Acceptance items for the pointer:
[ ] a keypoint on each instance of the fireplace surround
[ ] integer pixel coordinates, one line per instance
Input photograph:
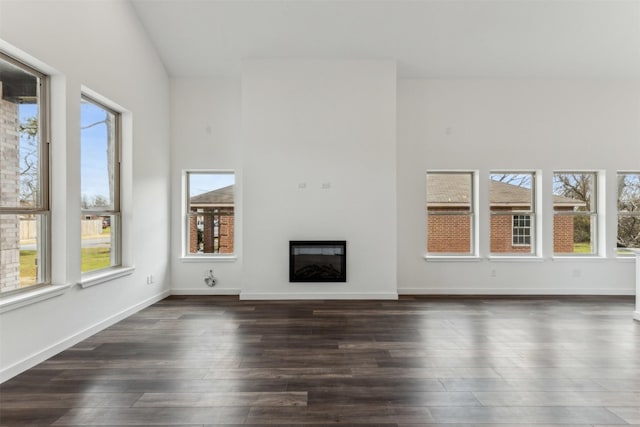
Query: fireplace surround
(317, 261)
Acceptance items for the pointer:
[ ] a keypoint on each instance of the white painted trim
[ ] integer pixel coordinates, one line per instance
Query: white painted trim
(513, 291)
(573, 258)
(54, 349)
(318, 295)
(452, 258)
(12, 302)
(219, 258)
(205, 291)
(102, 276)
(498, 258)
(636, 315)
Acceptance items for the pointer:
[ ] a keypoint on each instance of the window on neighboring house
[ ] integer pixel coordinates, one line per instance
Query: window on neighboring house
(521, 231)
(450, 213)
(575, 213)
(100, 186)
(209, 213)
(628, 235)
(513, 212)
(24, 177)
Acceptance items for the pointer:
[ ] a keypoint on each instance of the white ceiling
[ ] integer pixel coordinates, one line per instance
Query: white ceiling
(435, 39)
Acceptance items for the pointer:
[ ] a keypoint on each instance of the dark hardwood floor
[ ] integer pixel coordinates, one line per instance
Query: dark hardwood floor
(200, 361)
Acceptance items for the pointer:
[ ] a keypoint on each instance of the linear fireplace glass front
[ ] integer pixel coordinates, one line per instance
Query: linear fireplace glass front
(317, 261)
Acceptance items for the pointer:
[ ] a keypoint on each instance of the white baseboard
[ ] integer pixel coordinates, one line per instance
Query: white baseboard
(48, 352)
(317, 295)
(205, 291)
(512, 291)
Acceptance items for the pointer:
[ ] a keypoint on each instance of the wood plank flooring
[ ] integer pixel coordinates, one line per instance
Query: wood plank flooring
(218, 361)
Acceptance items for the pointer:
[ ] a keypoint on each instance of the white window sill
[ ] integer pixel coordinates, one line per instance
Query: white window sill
(452, 258)
(573, 258)
(22, 299)
(210, 258)
(507, 258)
(626, 258)
(102, 276)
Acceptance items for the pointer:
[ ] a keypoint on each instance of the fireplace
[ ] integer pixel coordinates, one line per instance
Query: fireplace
(317, 261)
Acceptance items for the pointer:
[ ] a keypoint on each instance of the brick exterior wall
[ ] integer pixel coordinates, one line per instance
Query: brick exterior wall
(225, 234)
(449, 233)
(563, 234)
(501, 233)
(193, 234)
(9, 180)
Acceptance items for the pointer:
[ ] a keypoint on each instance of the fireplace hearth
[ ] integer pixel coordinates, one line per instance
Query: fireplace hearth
(317, 261)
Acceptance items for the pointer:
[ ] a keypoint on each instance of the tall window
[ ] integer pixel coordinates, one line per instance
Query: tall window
(210, 212)
(100, 185)
(450, 213)
(24, 177)
(575, 213)
(513, 212)
(628, 235)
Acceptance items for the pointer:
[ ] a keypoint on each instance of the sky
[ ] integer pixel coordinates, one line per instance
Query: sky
(94, 172)
(93, 152)
(204, 182)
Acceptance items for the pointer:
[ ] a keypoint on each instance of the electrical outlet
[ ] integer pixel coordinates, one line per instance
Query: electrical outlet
(576, 272)
(149, 279)
(493, 272)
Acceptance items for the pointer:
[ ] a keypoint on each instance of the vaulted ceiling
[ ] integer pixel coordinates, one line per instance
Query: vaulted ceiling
(435, 39)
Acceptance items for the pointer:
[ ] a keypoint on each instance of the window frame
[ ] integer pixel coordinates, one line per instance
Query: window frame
(636, 214)
(186, 215)
(44, 176)
(532, 213)
(472, 214)
(527, 228)
(116, 212)
(593, 213)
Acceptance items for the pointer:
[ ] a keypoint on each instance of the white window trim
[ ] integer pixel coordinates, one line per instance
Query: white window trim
(208, 257)
(632, 254)
(45, 177)
(104, 275)
(535, 215)
(599, 192)
(126, 267)
(475, 220)
(42, 293)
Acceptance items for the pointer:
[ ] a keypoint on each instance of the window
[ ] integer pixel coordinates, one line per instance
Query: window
(575, 213)
(628, 235)
(513, 212)
(100, 186)
(521, 231)
(24, 177)
(210, 213)
(450, 213)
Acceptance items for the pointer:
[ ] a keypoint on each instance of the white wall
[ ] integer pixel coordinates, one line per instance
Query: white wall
(513, 124)
(314, 123)
(205, 134)
(99, 45)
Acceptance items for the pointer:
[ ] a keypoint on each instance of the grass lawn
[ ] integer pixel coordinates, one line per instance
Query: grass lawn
(95, 258)
(92, 259)
(582, 248)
